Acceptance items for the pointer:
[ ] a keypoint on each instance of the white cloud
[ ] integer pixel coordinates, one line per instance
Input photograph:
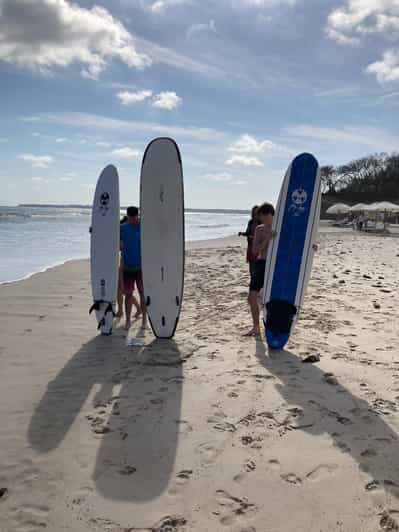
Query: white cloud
(167, 100)
(36, 134)
(371, 137)
(38, 179)
(248, 144)
(357, 19)
(127, 97)
(387, 69)
(222, 177)
(244, 160)
(196, 29)
(126, 153)
(99, 122)
(61, 140)
(66, 179)
(225, 178)
(160, 6)
(37, 161)
(43, 34)
(103, 144)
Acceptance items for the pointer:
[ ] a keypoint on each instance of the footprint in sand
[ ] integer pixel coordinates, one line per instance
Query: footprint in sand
(230, 508)
(180, 481)
(321, 472)
(30, 517)
(249, 467)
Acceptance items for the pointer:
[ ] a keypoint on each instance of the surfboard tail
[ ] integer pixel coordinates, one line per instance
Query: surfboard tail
(280, 316)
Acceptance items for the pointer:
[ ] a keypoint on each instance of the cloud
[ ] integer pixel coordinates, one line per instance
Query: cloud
(167, 100)
(3, 140)
(248, 144)
(358, 19)
(196, 29)
(99, 122)
(126, 153)
(66, 179)
(371, 137)
(37, 161)
(244, 160)
(387, 69)
(103, 144)
(127, 97)
(225, 178)
(220, 178)
(44, 34)
(160, 6)
(61, 140)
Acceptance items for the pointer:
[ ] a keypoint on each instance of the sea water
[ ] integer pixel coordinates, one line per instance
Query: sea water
(35, 238)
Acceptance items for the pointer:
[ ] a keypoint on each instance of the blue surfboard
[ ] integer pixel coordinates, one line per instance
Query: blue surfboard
(290, 254)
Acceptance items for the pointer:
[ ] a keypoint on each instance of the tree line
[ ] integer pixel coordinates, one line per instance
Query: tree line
(368, 179)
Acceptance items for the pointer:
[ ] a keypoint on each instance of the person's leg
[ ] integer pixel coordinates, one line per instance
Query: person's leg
(139, 284)
(119, 313)
(254, 308)
(256, 285)
(128, 283)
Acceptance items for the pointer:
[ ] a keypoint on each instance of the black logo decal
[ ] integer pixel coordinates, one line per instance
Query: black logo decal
(104, 201)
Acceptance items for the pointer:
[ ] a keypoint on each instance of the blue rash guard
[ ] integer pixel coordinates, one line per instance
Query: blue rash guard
(130, 238)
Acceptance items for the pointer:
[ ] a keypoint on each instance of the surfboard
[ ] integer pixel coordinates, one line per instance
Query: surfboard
(104, 248)
(162, 234)
(290, 253)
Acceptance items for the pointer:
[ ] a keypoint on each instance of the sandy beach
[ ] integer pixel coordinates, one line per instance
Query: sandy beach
(209, 432)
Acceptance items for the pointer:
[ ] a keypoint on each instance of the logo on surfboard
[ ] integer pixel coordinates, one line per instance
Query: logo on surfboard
(104, 201)
(299, 197)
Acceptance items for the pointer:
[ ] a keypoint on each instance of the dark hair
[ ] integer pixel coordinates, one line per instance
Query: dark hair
(254, 211)
(132, 212)
(266, 208)
(123, 220)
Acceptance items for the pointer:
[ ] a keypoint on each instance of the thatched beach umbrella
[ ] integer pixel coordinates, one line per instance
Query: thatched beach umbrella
(338, 208)
(360, 207)
(384, 206)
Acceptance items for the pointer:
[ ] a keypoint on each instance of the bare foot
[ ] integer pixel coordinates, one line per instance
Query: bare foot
(119, 314)
(252, 332)
(128, 325)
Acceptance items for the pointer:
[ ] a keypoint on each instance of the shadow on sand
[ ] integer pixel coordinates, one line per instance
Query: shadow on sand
(138, 401)
(353, 425)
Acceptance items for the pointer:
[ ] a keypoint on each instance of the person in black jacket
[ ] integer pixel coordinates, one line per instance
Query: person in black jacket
(249, 234)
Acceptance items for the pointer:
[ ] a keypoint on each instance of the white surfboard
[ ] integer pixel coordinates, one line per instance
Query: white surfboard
(290, 253)
(162, 234)
(104, 248)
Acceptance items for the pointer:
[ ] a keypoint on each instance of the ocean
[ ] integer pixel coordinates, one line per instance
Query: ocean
(35, 238)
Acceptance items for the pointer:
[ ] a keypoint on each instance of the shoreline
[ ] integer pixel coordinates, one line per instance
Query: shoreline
(192, 244)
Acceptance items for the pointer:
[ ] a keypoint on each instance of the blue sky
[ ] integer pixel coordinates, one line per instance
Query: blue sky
(242, 85)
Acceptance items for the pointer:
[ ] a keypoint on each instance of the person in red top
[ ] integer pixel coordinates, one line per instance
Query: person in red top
(262, 237)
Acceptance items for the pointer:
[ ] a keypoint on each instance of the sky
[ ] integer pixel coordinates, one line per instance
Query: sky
(242, 86)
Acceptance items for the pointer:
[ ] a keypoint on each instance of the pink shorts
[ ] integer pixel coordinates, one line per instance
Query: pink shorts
(131, 280)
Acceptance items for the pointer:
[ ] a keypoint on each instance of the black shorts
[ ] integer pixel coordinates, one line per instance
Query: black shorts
(258, 275)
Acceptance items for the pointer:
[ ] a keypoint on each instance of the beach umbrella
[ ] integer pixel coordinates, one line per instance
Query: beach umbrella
(385, 206)
(359, 207)
(338, 208)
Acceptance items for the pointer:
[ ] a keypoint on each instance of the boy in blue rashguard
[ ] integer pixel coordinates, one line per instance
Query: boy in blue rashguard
(131, 263)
